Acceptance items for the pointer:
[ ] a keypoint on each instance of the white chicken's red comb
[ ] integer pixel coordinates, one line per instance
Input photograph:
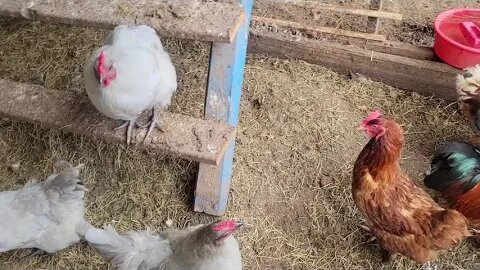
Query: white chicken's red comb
(371, 115)
(228, 224)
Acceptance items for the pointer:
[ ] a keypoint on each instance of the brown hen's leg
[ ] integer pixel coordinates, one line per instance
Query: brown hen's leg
(129, 125)
(389, 256)
(369, 231)
(430, 266)
(154, 121)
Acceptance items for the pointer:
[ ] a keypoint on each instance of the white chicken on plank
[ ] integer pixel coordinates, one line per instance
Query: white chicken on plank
(46, 216)
(200, 247)
(130, 74)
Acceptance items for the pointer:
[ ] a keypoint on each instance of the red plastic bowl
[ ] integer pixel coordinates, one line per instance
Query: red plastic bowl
(457, 37)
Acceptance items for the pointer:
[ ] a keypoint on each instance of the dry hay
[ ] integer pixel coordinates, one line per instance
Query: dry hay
(296, 145)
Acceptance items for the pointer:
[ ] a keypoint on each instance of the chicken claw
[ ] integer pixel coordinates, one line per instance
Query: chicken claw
(154, 122)
(129, 125)
(474, 232)
(430, 266)
(36, 252)
(368, 230)
(389, 256)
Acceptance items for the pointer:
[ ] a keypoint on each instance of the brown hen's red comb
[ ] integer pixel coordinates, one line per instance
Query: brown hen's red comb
(371, 115)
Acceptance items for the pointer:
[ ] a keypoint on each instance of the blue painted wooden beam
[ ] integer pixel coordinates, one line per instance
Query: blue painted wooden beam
(225, 79)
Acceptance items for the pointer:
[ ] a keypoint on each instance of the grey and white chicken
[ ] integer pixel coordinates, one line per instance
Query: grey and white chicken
(468, 91)
(44, 216)
(130, 74)
(201, 247)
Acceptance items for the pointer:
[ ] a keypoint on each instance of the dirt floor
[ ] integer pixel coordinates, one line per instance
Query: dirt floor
(296, 145)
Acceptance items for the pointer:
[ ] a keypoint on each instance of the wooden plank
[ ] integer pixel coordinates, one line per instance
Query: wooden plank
(395, 48)
(334, 8)
(187, 137)
(373, 23)
(318, 29)
(425, 77)
(208, 21)
(225, 79)
(390, 47)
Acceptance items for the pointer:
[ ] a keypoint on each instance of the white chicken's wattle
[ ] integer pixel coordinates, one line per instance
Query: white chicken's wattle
(130, 74)
(46, 216)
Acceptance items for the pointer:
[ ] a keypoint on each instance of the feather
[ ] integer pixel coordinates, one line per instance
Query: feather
(135, 250)
(456, 164)
(401, 215)
(44, 215)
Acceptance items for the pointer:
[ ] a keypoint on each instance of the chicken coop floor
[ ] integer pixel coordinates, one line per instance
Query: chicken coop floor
(296, 145)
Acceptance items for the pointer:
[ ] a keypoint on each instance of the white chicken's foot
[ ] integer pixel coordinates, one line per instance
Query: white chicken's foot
(154, 122)
(36, 252)
(129, 125)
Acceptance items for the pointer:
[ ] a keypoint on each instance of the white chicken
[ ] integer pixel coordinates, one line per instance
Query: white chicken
(130, 74)
(201, 247)
(46, 216)
(468, 91)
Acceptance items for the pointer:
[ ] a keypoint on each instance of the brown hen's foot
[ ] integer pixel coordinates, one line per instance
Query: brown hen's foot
(129, 125)
(430, 266)
(474, 232)
(369, 231)
(389, 256)
(154, 122)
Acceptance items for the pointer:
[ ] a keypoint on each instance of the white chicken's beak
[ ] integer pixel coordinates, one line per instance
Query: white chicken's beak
(102, 79)
(239, 224)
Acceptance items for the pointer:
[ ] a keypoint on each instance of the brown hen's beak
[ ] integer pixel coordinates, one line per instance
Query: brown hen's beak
(361, 128)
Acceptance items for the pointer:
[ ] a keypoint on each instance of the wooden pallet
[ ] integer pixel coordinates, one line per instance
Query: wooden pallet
(401, 65)
(210, 21)
(187, 137)
(210, 141)
(372, 28)
(406, 72)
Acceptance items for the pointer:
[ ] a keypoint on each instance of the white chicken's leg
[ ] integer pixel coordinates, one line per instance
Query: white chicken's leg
(129, 125)
(154, 121)
(36, 252)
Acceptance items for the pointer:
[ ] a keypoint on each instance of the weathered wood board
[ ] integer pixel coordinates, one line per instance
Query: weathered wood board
(425, 77)
(184, 136)
(205, 21)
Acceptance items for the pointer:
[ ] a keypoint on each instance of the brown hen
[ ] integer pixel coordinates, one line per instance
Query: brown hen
(401, 215)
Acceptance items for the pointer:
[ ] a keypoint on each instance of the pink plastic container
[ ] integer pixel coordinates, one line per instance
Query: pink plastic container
(457, 37)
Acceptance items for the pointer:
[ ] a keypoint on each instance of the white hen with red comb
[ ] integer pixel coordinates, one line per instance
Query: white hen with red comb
(130, 74)
(201, 247)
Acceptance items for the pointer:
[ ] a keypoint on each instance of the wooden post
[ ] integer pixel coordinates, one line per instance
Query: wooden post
(225, 79)
(373, 23)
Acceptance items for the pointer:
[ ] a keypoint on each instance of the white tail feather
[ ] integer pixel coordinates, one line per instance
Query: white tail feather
(129, 251)
(114, 247)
